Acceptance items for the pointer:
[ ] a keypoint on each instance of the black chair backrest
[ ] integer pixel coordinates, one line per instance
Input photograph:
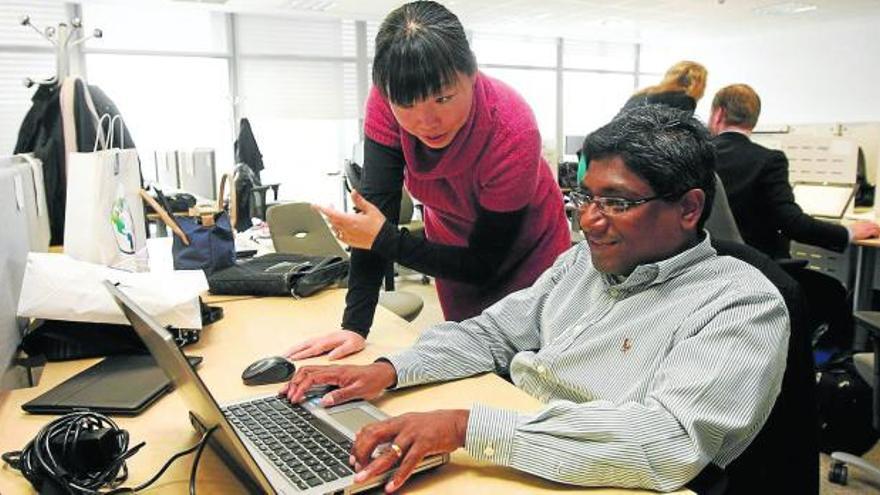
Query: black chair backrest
(784, 457)
(721, 224)
(353, 173)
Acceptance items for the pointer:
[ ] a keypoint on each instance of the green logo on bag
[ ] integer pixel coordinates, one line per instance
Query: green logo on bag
(123, 224)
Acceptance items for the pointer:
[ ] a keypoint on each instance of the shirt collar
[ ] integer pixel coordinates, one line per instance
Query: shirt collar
(663, 270)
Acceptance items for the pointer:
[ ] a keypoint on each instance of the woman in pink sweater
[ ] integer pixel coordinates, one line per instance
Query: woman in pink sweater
(468, 148)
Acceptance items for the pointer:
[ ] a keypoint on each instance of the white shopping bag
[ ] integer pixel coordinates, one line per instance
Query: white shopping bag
(59, 287)
(104, 219)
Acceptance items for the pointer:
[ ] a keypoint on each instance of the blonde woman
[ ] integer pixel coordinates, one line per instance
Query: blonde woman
(681, 87)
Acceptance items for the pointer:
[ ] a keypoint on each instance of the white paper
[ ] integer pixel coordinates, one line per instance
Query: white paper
(161, 258)
(60, 288)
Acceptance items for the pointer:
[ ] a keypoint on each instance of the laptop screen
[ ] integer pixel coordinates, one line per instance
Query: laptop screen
(823, 200)
(193, 390)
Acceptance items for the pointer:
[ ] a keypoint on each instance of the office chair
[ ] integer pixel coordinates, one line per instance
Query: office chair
(721, 223)
(868, 366)
(784, 456)
(406, 221)
(353, 175)
(252, 196)
(298, 228)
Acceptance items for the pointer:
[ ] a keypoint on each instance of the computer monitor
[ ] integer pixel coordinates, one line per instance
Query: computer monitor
(14, 245)
(197, 173)
(166, 169)
(573, 144)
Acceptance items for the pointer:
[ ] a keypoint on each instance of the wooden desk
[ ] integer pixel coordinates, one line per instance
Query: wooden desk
(254, 328)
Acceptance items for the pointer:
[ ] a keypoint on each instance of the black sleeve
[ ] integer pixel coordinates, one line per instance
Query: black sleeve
(791, 219)
(381, 185)
(477, 264)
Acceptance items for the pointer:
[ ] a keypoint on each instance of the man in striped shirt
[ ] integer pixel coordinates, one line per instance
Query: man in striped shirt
(655, 356)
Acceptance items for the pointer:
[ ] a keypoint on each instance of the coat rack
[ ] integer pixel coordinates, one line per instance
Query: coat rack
(62, 38)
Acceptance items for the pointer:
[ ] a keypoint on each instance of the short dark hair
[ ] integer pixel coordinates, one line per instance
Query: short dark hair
(741, 104)
(668, 148)
(420, 49)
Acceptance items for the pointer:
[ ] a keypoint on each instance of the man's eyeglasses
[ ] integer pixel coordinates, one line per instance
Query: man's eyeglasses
(609, 205)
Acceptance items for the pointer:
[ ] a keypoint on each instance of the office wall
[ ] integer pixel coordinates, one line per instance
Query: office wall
(828, 73)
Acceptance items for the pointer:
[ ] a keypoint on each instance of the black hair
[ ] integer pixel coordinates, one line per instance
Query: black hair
(668, 148)
(420, 49)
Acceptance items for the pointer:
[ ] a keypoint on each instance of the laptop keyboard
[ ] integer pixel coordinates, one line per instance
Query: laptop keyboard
(307, 450)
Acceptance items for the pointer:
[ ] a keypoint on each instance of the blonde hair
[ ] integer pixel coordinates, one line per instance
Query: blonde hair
(686, 76)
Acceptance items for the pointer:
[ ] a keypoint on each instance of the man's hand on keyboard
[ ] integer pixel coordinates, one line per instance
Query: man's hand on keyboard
(409, 439)
(354, 382)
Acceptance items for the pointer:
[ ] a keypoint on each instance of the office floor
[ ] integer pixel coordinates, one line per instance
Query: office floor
(857, 484)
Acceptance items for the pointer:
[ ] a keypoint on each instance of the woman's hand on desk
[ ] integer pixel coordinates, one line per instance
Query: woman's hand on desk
(354, 382)
(410, 438)
(360, 229)
(338, 344)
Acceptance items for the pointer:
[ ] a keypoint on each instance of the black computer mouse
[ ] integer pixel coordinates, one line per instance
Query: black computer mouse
(275, 369)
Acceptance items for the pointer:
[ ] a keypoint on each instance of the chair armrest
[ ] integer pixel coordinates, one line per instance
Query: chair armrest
(274, 191)
(262, 189)
(792, 265)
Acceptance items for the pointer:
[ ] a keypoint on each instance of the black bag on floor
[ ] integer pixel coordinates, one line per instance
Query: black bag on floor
(279, 275)
(845, 408)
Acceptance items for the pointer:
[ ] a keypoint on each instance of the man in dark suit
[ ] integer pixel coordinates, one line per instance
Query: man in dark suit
(762, 201)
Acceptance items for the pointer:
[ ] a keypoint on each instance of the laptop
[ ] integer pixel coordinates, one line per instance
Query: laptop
(274, 446)
(824, 200)
(120, 385)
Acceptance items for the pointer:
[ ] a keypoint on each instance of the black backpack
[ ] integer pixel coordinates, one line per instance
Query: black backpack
(845, 408)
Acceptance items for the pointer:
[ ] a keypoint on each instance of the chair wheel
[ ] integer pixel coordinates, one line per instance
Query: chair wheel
(837, 474)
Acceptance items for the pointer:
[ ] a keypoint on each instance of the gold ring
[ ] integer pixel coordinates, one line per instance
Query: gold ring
(397, 450)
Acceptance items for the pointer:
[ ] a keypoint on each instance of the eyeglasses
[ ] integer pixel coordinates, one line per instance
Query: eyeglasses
(609, 205)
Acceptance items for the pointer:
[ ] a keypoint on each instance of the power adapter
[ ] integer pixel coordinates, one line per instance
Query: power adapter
(85, 452)
(90, 450)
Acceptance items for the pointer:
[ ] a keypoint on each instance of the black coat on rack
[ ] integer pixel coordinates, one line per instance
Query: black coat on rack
(42, 135)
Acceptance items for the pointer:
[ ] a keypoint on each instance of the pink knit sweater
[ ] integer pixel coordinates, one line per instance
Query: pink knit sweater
(495, 162)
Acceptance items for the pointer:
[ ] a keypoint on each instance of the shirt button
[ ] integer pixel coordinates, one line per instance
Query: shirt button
(489, 451)
(541, 369)
(613, 292)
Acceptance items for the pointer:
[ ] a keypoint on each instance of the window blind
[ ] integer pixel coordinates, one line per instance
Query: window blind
(23, 53)
(177, 28)
(263, 35)
(42, 13)
(15, 98)
(514, 50)
(598, 55)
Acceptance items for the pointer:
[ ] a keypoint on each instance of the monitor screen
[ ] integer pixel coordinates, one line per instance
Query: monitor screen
(573, 144)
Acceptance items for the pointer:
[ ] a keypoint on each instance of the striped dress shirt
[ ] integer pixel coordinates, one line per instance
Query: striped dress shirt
(646, 380)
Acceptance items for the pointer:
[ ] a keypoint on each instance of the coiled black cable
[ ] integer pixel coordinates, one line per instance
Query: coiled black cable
(45, 457)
